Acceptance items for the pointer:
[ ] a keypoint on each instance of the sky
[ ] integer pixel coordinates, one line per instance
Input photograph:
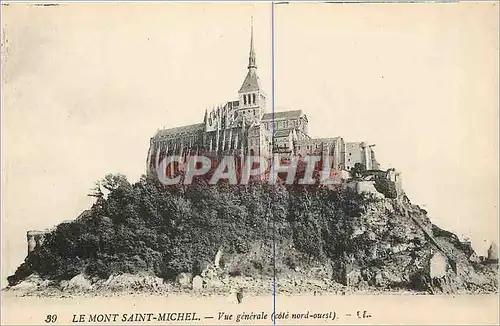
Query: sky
(85, 86)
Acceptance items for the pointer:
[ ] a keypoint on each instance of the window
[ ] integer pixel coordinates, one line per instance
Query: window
(253, 98)
(244, 99)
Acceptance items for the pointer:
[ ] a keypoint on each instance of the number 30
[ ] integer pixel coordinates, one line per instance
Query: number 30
(51, 319)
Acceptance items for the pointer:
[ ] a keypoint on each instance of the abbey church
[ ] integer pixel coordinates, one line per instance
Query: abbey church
(247, 126)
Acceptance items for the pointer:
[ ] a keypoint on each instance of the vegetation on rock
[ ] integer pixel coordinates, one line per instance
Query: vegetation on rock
(167, 230)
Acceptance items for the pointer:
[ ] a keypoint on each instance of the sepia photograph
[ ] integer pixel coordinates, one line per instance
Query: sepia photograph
(249, 163)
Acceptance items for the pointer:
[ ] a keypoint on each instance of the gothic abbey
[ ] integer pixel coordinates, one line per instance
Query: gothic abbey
(246, 127)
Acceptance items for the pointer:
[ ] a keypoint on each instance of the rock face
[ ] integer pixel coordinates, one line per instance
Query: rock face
(368, 187)
(437, 265)
(392, 246)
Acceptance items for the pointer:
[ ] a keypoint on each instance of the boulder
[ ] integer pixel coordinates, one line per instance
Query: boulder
(197, 283)
(184, 279)
(78, 283)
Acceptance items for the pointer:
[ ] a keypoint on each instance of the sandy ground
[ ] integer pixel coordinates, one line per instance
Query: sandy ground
(322, 309)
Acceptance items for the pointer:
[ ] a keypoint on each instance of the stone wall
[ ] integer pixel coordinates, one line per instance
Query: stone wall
(396, 178)
(35, 239)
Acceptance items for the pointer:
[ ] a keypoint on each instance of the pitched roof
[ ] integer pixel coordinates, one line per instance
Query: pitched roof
(283, 132)
(317, 140)
(282, 115)
(251, 82)
(183, 129)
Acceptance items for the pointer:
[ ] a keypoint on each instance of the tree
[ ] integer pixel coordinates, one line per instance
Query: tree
(357, 170)
(96, 191)
(112, 182)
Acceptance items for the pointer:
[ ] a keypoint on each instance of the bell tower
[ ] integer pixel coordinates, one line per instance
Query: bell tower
(252, 99)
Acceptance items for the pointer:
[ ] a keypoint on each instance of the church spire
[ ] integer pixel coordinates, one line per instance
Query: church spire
(251, 82)
(251, 59)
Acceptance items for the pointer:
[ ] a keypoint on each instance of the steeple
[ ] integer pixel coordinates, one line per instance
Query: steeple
(252, 99)
(251, 82)
(251, 59)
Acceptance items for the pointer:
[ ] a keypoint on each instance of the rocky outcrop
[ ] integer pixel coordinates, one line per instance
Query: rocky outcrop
(366, 237)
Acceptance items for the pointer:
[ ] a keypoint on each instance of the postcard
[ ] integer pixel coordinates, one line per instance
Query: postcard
(226, 163)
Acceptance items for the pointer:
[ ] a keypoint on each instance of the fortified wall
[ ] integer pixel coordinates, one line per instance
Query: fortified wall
(35, 239)
(379, 183)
